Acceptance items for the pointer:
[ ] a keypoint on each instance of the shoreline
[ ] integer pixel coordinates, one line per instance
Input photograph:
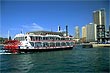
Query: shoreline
(94, 45)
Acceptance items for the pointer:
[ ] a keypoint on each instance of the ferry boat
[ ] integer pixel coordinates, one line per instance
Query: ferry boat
(39, 41)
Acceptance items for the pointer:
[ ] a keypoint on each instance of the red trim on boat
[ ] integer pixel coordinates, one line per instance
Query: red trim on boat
(12, 45)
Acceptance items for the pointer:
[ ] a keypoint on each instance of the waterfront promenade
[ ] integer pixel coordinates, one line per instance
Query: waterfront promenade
(101, 45)
(94, 45)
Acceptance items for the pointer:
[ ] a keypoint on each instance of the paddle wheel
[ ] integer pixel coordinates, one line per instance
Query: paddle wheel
(12, 46)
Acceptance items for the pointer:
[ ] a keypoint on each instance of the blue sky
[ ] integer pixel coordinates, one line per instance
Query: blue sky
(34, 15)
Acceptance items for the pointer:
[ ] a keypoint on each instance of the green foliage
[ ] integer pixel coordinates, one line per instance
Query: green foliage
(2, 40)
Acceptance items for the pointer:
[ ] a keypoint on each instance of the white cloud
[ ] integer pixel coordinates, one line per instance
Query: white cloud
(32, 27)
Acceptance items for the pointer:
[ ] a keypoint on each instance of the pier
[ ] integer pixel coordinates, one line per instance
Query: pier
(100, 45)
(94, 45)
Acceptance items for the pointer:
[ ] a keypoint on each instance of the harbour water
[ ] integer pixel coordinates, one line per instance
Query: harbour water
(77, 60)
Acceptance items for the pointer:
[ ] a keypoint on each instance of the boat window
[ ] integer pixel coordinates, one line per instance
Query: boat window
(72, 43)
(37, 38)
(20, 38)
(57, 43)
(68, 44)
(52, 44)
(45, 44)
(63, 44)
(58, 38)
(33, 38)
(32, 43)
(38, 44)
(44, 38)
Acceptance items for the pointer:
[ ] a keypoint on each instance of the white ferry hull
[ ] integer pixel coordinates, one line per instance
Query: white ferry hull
(43, 50)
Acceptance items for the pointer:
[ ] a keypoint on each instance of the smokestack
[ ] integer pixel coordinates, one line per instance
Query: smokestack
(66, 30)
(59, 28)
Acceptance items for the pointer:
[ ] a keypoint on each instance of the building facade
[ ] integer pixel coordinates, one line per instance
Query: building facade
(77, 33)
(84, 35)
(99, 18)
(91, 32)
(83, 31)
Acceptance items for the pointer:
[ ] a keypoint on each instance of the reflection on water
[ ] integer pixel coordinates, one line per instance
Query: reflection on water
(76, 60)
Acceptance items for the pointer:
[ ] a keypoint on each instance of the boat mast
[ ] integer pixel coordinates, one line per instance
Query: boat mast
(8, 34)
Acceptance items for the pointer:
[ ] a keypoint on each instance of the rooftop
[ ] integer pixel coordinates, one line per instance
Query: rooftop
(46, 32)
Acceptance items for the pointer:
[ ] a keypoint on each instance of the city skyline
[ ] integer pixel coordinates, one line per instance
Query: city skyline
(95, 31)
(47, 15)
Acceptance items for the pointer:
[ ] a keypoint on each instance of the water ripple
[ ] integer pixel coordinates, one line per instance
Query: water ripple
(76, 60)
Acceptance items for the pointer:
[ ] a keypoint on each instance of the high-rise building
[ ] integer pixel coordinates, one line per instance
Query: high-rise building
(84, 34)
(77, 34)
(91, 34)
(83, 31)
(99, 18)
